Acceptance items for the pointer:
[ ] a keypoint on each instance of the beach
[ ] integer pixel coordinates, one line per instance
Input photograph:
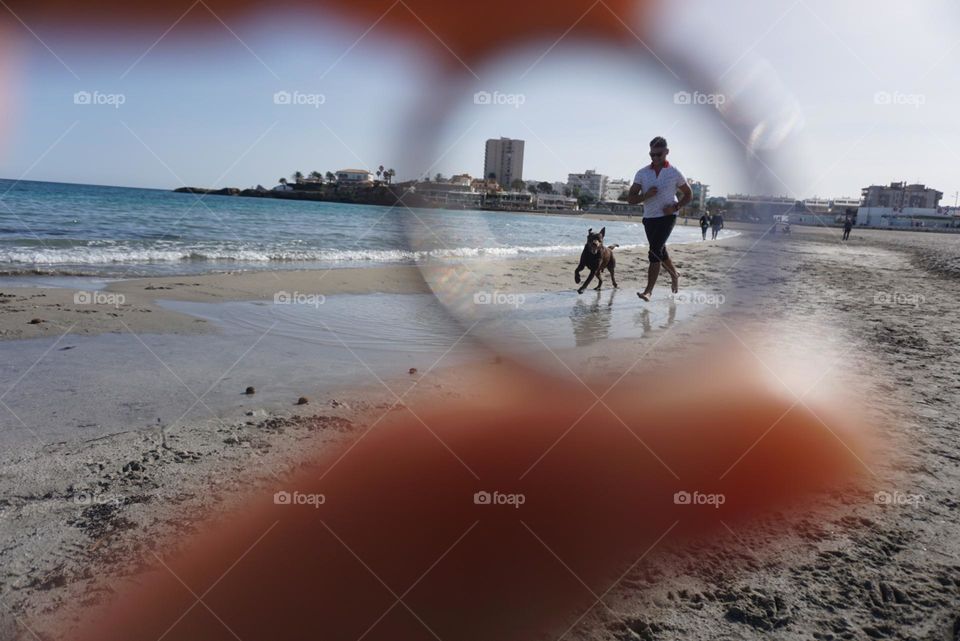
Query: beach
(84, 510)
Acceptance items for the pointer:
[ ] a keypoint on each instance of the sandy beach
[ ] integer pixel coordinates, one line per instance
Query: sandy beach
(80, 518)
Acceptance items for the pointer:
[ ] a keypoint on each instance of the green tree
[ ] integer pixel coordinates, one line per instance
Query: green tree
(438, 178)
(544, 187)
(298, 176)
(585, 200)
(331, 176)
(379, 172)
(316, 176)
(517, 184)
(533, 189)
(389, 174)
(283, 181)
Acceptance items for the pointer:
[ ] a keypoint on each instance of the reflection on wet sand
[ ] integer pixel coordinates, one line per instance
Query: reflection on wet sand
(592, 321)
(642, 318)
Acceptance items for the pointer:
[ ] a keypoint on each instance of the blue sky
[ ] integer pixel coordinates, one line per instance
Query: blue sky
(846, 94)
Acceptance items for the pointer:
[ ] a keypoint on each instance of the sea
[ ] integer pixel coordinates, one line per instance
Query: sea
(116, 232)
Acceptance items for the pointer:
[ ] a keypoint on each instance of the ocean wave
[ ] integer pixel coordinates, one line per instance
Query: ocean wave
(118, 255)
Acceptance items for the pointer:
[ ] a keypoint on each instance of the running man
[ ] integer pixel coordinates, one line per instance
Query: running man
(656, 186)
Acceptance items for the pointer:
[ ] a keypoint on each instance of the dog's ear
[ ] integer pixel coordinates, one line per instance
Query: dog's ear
(603, 232)
(589, 231)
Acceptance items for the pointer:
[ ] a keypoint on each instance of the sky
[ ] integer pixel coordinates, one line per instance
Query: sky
(801, 97)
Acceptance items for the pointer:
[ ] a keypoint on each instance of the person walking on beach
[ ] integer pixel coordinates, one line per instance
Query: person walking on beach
(656, 186)
(717, 224)
(704, 223)
(847, 226)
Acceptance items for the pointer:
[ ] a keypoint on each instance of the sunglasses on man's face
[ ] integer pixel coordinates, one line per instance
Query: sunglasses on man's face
(658, 154)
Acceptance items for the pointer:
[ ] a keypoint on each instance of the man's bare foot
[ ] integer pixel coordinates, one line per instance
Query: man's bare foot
(675, 282)
(645, 296)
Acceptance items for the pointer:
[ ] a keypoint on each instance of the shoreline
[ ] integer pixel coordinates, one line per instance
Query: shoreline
(832, 567)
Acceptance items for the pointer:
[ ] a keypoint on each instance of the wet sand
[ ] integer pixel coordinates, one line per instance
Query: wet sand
(851, 565)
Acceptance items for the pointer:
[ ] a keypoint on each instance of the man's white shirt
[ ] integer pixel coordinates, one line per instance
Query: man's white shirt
(667, 184)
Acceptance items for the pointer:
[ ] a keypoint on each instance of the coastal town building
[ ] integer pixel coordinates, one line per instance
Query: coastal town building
(909, 217)
(354, 176)
(556, 202)
(615, 188)
(900, 195)
(700, 193)
(589, 183)
(509, 200)
(503, 161)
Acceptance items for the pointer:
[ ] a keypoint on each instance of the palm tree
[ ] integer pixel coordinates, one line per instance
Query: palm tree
(438, 178)
(298, 176)
(390, 173)
(379, 172)
(283, 181)
(316, 176)
(517, 184)
(331, 176)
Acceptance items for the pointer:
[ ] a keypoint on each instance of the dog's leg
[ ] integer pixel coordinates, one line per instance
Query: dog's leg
(613, 279)
(599, 279)
(586, 282)
(576, 274)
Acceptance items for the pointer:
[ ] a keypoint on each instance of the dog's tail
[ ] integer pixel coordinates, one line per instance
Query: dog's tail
(612, 247)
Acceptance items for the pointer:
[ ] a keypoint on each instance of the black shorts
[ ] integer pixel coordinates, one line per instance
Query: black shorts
(658, 231)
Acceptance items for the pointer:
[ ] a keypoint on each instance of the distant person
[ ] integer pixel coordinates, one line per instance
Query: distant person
(716, 223)
(847, 226)
(656, 186)
(704, 223)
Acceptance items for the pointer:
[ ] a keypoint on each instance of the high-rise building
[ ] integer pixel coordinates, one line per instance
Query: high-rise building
(699, 194)
(503, 161)
(589, 183)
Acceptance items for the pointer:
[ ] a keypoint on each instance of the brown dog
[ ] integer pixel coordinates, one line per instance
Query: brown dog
(596, 257)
